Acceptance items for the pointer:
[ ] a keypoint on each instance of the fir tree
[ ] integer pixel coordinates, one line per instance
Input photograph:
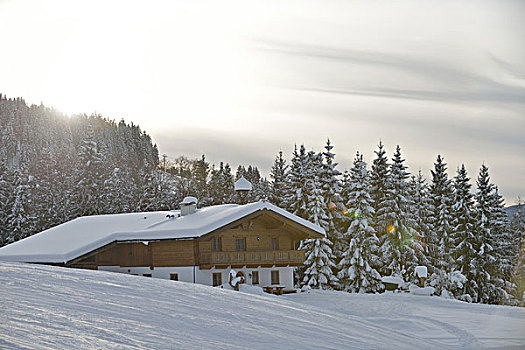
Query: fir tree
(20, 218)
(517, 228)
(398, 255)
(298, 175)
(331, 188)
(489, 288)
(419, 192)
(356, 268)
(467, 243)
(278, 182)
(380, 190)
(440, 240)
(200, 181)
(6, 205)
(91, 177)
(318, 265)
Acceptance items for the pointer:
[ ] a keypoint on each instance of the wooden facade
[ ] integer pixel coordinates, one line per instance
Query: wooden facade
(265, 240)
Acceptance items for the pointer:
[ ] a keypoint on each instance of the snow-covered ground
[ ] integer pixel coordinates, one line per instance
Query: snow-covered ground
(59, 308)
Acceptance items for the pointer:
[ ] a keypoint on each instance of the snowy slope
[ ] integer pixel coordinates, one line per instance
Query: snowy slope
(59, 308)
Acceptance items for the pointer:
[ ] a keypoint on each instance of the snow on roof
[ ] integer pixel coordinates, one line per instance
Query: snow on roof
(77, 237)
(189, 200)
(421, 271)
(243, 185)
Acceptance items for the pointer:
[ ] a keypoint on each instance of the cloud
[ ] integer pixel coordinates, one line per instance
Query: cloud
(449, 82)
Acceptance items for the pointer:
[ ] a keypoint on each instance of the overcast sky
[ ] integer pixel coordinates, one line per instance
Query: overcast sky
(239, 81)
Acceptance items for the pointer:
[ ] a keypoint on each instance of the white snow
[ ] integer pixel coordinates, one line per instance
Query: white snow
(393, 279)
(421, 271)
(243, 185)
(189, 200)
(421, 290)
(74, 238)
(45, 307)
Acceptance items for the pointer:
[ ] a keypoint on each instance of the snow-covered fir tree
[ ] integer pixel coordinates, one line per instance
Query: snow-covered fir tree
(331, 188)
(489, 288)
(221, 185)
(319, 264)
(201, 170)
(6, 205)
(517, 228)
(298, 176)
(380, 190)
(278, 182)
(440, 242)
(419, 192)
(356, 267)
(502, 241)
(20, 218)
(91, 176)
(467, 243)
(398, 255)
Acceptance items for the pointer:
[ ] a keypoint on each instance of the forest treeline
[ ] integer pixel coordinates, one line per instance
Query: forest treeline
(380, 219)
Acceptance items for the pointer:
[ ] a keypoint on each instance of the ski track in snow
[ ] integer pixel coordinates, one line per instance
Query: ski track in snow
(44, 307)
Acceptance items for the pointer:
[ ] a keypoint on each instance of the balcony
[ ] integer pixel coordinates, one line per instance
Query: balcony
(275, 257)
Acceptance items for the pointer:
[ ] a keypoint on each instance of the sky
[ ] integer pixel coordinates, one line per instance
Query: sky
(241, 80)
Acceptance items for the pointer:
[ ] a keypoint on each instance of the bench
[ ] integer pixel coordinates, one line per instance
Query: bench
(276, 289)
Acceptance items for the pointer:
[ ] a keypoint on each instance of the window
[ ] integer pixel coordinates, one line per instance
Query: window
(275, 277)
(217, 279)
(216, 245)
(275, 244)
(174, 276)
(255, 277)
(240, 244)
(146, 274)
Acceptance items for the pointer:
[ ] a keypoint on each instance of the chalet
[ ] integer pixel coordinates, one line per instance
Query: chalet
(259, 240)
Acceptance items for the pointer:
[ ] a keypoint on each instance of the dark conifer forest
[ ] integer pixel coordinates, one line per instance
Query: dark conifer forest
(380, 219)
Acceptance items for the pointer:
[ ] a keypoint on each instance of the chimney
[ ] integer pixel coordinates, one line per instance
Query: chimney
(188, 206)
(242, 187)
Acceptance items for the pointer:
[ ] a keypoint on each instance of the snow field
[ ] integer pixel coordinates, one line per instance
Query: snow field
(44, 307)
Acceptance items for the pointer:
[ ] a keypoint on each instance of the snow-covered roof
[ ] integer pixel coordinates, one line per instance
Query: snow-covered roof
(243, 185)
(77, 237)
(189, 200)
(421, 271)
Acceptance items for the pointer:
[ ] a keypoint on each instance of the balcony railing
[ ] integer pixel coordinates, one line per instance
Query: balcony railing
(290, 257)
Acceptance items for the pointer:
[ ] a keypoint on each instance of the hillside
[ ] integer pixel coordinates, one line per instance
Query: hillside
(511, 211)
(47, 307)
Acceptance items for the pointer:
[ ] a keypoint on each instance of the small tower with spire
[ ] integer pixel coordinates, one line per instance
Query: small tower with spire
(242, 187)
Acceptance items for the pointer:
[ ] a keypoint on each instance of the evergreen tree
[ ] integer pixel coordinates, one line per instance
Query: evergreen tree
(356, 268)
(319, 264)
(380, 191)
(20, 218)
(279, 181)
(503, 243)
(419, 192)
(331, 188)
(200, 176)
(517, 228)
(221, 185)
(6, 205)
(298, 175)
(467, 242)
(91, 176)
(489, 288)
(440, 240)
(398, 255)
